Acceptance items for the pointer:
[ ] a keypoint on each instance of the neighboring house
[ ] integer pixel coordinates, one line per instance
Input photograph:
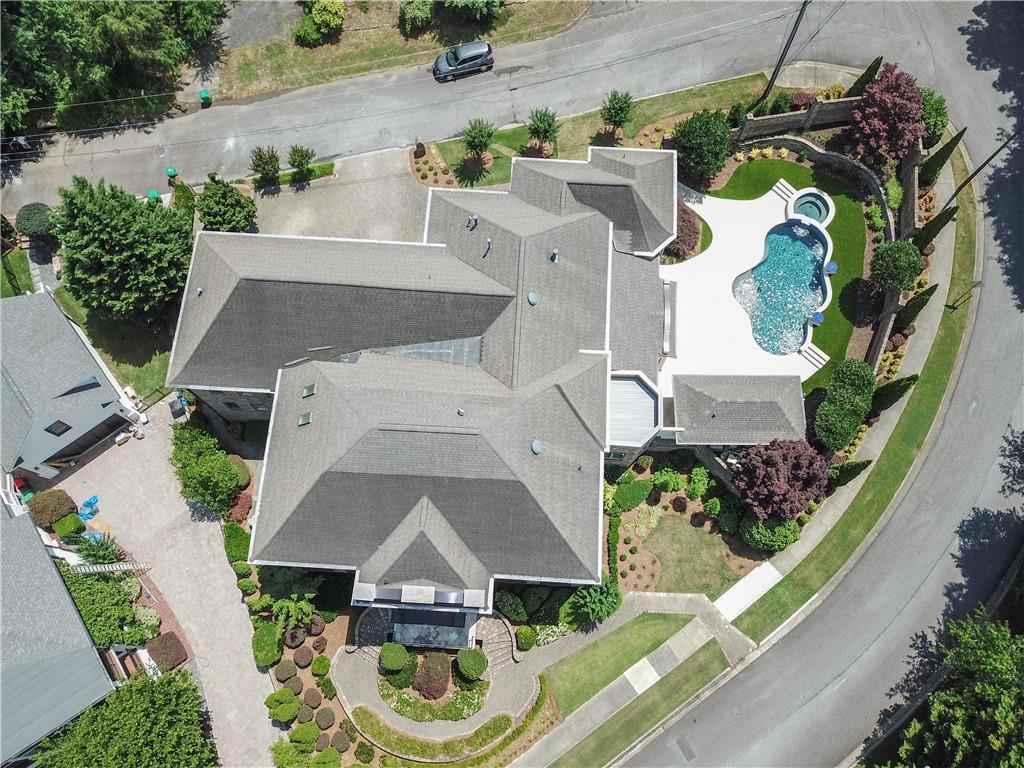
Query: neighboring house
(49, 667)
(58, 398)
(441, 412)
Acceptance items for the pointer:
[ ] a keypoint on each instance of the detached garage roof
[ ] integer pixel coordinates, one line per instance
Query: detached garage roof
(51, 671)
(738, 410)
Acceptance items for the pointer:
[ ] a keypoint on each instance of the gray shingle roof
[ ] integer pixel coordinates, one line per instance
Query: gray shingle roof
(387, 454)
(738, 410)
(46, 370)
(267, 301)
(51, 671)
(637, 315)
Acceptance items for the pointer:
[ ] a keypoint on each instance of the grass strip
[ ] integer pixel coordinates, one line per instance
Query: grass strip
(576, 678)
(400, 743)
(891, 467)
(15, 277)
(648, 709)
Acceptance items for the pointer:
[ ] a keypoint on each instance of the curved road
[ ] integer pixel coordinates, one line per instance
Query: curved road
(813, 697)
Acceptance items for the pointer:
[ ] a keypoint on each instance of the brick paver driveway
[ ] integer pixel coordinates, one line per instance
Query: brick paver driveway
(140, 503)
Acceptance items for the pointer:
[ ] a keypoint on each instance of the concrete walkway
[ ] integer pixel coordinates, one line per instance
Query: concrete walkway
(141, 505)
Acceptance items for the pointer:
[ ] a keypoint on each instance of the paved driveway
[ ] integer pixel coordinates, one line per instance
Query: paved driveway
(374, 198)
(140, 503)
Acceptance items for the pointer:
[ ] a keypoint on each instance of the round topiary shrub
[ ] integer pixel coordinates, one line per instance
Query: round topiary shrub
(321, 666)
(770, 535)
(320, 644)
(294, 637)
(526, 637)
(393, 657)
(49, 506)
(305, 714)
(285, 671)
(247, 586)
(294, 684)
(323, 742)
(324, 718)
(303, 657)
(266, 643)
(472, 663)
(364, 753)
(340, 740)
(312, 698)
(242, 569)
(404, 678)
(303, 737)
(33, 220)
(316, 626)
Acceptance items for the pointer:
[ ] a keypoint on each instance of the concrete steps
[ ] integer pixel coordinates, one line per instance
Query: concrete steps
(497, 643)
(784, 189)
(814, 356)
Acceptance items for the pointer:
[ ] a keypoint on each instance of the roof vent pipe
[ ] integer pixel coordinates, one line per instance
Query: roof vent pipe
(461, 412)
(488, 250)
(199, 291)
(554, 256)
(473, 221)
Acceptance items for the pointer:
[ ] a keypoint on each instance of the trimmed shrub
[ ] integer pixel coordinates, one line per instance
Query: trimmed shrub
(167, 651)
(49, 506)
(712, 507)
(737, 115)
(321, 666)
(688, 229)
(282, 705)
(542, 125)
(304, 737)
(350, 729)
(307, 33)
(934, 115)
(285, 670)
(340, 740)
(242, 569)
(264, 161)
(703, 143)
(244, 478)
(668, 480)
(846, 404)
(317, 625)
(236, 542)
(875, 217)
(534, 597)
(801, 99)
(294, 684)
(595, 603)
(326, 686)
(771, 535)
(324, 718)
(617, 109)
(312, 698)
(404, 677)
(476, 137)
(68, 525)
(328, 15)
(211, 480)
(299, 158)
(294, 637)
(472, 662)
(700, 480)
(414, 15)
(184, 199)
(893, 189)
(305, 714)
(266, 645)
(247, 586)
(643, 462)
(782, 102)
(526, 637)
(627, 476)
(630, 495)
(303, 657)
(329, 757)
(33, 220)
(433, 676)
(323, 741)
(393, 656)
(364, 753)
(259, 603)
(320, 644)
(729, 518)
(510, 605)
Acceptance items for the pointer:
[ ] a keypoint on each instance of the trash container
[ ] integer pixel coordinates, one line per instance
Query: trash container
(171, 172)
(89, 508)
(205, 99)
(153, 195)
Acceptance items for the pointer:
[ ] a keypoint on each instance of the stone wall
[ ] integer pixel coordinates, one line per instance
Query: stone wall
(909, 170)
(820, 114)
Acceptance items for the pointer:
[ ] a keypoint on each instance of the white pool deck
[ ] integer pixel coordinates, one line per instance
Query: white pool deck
(713, 332)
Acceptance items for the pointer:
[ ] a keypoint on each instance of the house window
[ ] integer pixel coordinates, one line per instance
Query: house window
(615, 456)
(232, 405)
(58, 428)
(309, 390)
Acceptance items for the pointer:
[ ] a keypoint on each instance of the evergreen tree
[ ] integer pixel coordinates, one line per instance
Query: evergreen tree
(222, 208)
(895, 266)
(617, 109)
(703, 143)
(930, 168)
(928, 232)
(867, 76)
(477, 136)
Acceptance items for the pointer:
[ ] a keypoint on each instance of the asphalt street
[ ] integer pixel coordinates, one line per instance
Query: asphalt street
(812, 698)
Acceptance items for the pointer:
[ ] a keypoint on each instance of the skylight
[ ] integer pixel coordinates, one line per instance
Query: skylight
(309, 390)
(305, 418)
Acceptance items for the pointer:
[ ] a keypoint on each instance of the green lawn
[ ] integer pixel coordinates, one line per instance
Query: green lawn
(576, 678)
(504, 145)
(892, 466)
(706, 235)
(135, 355)
(692, 560)
(648, 709)
(849, 236)
(15, 265)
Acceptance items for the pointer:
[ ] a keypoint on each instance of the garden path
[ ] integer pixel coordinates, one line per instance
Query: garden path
(140, 504)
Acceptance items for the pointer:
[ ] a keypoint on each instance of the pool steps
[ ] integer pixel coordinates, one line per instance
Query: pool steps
(814, 356)
(784, 189)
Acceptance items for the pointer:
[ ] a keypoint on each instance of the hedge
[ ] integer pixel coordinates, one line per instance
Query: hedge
(846, 404)
(630, 495)
(68, 525)
(771, 535)
(167, 651)
(49, 506)
(247, 586)
(472, 662)
(244, 478)
(393, 657)
(267, 645)
(510, 605)
(236, 542)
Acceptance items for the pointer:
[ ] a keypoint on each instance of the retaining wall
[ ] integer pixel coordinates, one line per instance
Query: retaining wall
(909, 180)
(821, 113)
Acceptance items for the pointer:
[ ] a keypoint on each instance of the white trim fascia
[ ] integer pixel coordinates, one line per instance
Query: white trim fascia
(208, 388)
(320, 238)
(607, 418)
(263, 471)
(426, 216)
(312, 566)
(181, 309)
(549, 579)
(600, 517)
(439, 607)
(475, 191)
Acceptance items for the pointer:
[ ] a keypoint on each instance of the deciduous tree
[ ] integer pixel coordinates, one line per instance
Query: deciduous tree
(781, 479)
(477, 136)
(222, 208)
(895, 266)
(703, 144)
(617, 108)
(887, 122)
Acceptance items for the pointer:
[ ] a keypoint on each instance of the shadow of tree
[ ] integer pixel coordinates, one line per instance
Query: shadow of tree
(994, 44)
(126, 342)
(471, 170)
(1011, 464)
(198, 513)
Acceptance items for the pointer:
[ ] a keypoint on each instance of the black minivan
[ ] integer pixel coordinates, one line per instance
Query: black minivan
(464, 59)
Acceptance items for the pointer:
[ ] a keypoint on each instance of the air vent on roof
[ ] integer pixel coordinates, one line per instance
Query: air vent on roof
(488, 249)
(535, 446)
(199, 291)
(309, 390)
(533, 298)
(305, 418)
(460, 412)
(554, 256)
(473, 221)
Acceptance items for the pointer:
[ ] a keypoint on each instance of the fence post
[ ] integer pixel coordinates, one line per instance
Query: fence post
(812, 113)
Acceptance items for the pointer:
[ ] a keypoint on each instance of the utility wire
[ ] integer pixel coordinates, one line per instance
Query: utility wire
(782, 56)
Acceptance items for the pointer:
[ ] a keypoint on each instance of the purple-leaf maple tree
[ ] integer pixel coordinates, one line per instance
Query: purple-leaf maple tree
(887, 122)
(781, 478)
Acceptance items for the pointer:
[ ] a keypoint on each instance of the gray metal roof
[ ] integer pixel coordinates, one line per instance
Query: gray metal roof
(46, 370)
(388, 455)
(738, 410)
(635, 411)
(51, 671)
(256, 303)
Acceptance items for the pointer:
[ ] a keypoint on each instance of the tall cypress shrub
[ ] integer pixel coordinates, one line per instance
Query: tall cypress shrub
(928, 232)
(933, 164)
(866, 77)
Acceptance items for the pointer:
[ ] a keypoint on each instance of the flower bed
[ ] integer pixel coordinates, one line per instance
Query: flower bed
(422, 749)
(459, 705)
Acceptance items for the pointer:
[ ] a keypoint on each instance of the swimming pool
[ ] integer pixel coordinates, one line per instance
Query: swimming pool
(788, 286)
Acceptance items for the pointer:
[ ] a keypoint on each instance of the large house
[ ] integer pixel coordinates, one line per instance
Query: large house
(441, 412)
(58, 398)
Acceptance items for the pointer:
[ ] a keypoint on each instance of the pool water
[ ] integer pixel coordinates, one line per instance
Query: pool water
(812, 206)
(785, 289)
